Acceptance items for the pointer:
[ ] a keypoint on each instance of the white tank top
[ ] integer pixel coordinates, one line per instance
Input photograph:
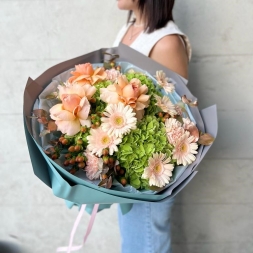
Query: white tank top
(146, 41)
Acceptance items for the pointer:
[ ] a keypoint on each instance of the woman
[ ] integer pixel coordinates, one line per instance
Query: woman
(146, 228)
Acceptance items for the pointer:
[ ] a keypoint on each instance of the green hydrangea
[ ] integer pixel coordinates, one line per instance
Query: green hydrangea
(99, 105)
(139, 145)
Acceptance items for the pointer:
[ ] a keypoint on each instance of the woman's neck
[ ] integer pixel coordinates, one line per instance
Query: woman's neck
(139, 20)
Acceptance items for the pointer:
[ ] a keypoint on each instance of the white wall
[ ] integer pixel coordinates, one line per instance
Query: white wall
(214, 214)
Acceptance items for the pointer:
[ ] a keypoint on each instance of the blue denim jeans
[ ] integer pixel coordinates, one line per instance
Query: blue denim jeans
(146, 228)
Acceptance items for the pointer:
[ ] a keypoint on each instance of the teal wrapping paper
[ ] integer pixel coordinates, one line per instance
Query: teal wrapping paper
(70, 188)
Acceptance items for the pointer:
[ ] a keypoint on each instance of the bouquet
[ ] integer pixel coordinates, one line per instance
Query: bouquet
(123, 131)
(118, 126)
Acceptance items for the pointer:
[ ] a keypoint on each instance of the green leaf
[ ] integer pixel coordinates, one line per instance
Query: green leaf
(136, 183)
(149, 148)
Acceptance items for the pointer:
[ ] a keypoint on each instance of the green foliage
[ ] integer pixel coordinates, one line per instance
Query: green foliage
(139, 145)
(99, 105)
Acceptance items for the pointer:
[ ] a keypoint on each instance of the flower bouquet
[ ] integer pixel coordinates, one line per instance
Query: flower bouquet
(115, 133)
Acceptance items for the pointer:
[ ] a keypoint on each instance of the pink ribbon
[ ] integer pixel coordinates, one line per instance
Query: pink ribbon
(71, 248)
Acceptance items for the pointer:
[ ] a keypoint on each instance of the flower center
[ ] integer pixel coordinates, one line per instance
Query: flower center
(105, 140)
(158, 169)
(184, 148)
(118, 121)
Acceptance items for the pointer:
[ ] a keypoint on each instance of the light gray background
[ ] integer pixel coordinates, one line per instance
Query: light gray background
(214, 213)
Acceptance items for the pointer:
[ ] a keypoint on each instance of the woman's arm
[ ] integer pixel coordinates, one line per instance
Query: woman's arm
(170, 52)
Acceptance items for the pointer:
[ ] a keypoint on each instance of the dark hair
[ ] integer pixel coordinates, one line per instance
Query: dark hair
(157, 13)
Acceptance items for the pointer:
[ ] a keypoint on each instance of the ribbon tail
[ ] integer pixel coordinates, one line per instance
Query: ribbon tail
(71, 248)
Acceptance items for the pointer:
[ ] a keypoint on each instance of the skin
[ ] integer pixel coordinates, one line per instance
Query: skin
(168, 51)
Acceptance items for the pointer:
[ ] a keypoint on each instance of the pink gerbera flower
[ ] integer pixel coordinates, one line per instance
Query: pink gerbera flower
(94, 166)
(185, 149)
(159, 170)
(119, 119)
(99, 140)
(166, 105)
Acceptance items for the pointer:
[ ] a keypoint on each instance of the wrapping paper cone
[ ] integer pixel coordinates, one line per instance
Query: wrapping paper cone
(67, 186)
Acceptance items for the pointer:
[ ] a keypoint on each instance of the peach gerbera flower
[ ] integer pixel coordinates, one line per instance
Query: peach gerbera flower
(94, 166)
(131, 93)
(166, 105)
(185, 149)
(119, 119)
(163, 81)
(159, 170)
(74, 109)
(99, 140)
(85, 74)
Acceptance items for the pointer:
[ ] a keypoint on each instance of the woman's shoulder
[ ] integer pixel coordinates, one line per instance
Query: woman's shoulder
(170, 50)
(171, 39)
(170, 42)
(168, 33)
(169, 28)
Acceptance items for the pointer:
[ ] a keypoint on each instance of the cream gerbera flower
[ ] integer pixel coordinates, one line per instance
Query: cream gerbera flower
(99, 140)
(163, 81)
(185, 149)
(119, 119)
(159, 170)
(166, 105)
